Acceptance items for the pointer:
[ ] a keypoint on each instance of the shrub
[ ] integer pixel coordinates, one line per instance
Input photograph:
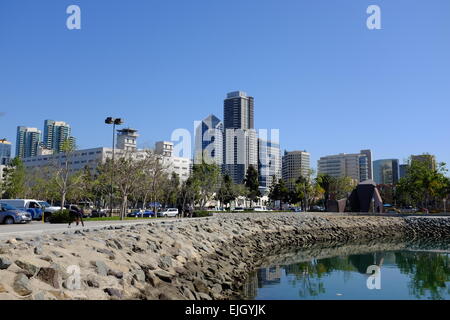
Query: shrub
(202, 213)
(62, 216)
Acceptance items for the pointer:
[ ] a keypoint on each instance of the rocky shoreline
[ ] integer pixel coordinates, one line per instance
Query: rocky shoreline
(184, 259)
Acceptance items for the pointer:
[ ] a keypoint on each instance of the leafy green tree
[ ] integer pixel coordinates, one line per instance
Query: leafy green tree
(171, 188)
(206, 178)
(252, 184)
(304, 190)
(279, 192)
(227, 191)
(14, 180)
(324, 181)
(423, 185)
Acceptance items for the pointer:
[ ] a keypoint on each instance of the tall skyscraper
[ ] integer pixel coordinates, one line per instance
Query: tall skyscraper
(355, 166)
(429, 159)
(368, 154)
(5, 152)
(209, 141)
(241, 145)
(403, 170)
(241, 151)
(27, 142)
(238, 111)
(269, 164)
(294, 165)
(386, 171)
(55, 134)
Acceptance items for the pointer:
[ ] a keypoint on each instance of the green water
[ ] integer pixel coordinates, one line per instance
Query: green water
(404, 274)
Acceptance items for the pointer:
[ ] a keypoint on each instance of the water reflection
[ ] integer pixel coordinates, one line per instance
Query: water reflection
(406, 274)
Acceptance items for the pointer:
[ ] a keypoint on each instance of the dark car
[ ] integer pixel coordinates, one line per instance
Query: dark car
(11, 215)
(98, 213)
(140, 214)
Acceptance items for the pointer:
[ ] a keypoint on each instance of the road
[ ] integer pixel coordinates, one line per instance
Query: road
(36, 228)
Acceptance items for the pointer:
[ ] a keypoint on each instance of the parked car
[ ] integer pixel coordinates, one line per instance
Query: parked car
(317, 209)
(388, 208)
(238, 209)
(260, 208)
(296, 209)
(29, 205)
(48, 209)
(98, 213)
(171, 212)
(141, 214)
(11, 215)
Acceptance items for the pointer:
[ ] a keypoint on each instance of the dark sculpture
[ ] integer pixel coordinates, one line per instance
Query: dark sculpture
(361, 197)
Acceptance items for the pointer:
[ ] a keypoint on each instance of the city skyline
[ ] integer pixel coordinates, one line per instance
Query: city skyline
(317, 74)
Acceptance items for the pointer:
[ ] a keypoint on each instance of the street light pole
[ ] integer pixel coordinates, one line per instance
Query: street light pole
(114, 122)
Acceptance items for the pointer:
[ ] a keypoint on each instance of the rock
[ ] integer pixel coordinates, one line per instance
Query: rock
(164, 275)
(112, 292)
(200, 286)
(50, 276)
(139, 275)
(46, 258)
(101, 267)
(203, 296)
(117, 274)
(22, 285)
(152, 279)
(29, 268)
(2, 288)
(4, 263)
(39, 296)
(11, 241)
(38, 250)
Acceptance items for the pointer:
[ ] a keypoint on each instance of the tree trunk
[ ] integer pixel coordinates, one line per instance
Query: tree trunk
(124, 206)
(63, 200)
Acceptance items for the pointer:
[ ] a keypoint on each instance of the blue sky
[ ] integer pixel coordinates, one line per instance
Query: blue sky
(317, 73)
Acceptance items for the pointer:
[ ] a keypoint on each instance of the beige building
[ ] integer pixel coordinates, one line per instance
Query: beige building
(294, 165)
(357, 166)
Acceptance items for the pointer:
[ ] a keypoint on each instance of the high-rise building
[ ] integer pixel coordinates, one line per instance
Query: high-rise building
(368, 154)
(238, 111)
(294, 165)
(56, 133)
(403, 170)
(27, 142)
(240, 144)
(5, 152)
(127, 139)
(429, 159)
(241, 151)
(355, 166)
(269, 164)
(386, 171)
(209, 141)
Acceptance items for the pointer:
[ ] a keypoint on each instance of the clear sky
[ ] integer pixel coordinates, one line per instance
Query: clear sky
(317, 73)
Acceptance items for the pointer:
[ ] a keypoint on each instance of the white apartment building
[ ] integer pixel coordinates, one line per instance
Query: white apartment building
(294, 165)
(355, 166)
(241, 151)
(80, 159)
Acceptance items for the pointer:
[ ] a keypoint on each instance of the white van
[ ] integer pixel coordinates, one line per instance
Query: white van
(260, 208)
(30, 205)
